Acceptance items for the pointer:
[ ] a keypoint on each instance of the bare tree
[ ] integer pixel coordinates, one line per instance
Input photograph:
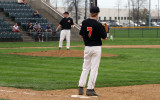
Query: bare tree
(73, 7)
(54, 2)
(118, 5)
(137, 5)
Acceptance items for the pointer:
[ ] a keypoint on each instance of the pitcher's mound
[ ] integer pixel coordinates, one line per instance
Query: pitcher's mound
(60, 53)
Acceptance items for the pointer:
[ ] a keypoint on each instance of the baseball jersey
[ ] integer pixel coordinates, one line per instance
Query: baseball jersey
(15, 27)
(92, 32)
(37, 26)
(47, 27)
(66, 23)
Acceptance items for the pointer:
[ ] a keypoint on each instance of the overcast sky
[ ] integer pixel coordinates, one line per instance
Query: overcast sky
(112, 3)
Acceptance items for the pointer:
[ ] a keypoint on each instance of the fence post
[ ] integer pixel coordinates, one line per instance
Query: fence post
(46, 36)
(142, 33)
(114, 32)
(157, 32)
(128, 33)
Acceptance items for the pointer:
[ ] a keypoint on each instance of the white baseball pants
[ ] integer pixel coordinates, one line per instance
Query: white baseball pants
(92, 57)
(65, 34)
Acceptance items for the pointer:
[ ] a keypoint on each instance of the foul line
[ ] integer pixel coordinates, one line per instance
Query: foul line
(27, 93)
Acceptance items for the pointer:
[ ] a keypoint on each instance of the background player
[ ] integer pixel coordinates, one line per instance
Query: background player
(111, 37)
(108, 31)
(66, 23)
(92, 31)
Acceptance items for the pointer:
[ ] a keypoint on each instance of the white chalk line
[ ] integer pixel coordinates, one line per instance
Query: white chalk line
(27, 93)
(7, 91)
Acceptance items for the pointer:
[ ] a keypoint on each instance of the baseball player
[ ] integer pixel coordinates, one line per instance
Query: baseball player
(91, 31)
(66, 23)
(107, 28)
(108, 31)
(111, 37)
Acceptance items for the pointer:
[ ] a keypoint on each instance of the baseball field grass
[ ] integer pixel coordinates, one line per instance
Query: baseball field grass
(131, 67)
(117, 41)
(4, 99)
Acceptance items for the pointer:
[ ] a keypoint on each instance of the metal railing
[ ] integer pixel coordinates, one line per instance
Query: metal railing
(57, 12)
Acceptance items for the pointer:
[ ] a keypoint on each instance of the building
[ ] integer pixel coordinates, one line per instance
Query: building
(112, 14)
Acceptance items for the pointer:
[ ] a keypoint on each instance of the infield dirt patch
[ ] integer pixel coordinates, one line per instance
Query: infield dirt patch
(140, 92)
(60, 53)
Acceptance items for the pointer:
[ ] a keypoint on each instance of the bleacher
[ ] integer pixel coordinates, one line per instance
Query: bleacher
(6, 33)
(23, 14)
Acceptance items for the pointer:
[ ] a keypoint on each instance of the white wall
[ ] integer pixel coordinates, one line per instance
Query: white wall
(112, 12)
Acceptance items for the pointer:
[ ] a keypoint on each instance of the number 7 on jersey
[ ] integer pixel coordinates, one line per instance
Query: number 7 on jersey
(90, 31)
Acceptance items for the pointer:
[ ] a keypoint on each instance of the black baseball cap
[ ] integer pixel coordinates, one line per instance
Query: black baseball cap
(66, 13)
(94, 10)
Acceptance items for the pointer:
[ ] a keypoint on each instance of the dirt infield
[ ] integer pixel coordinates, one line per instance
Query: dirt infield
(140, 92)
(60, 53)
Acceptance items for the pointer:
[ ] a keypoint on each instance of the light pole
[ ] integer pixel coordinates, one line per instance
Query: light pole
(149, 13)
(96, 3)
(158, 10)
(93, 3)
(86, 5)
(129, 12)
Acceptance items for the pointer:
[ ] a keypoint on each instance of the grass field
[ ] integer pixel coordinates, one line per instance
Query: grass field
(4, 99)
(131, 67)
(117, 41)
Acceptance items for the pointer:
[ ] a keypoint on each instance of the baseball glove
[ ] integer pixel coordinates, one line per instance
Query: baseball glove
(53, 33)
(105, 26)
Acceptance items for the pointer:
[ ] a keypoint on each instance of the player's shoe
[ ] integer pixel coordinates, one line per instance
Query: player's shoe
(91, 92)
(67, 49)
(60, 48)
(81, 91)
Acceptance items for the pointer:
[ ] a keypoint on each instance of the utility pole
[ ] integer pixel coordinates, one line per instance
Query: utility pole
(56, 4)
(158, 10)
(138, 12)
(149, 13)
(129, 11)
(118, 14)
(76, 8)
(86, 5)
(93, 3)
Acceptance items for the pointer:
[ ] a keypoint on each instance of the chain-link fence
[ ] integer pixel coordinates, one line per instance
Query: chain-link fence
(135, 32)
